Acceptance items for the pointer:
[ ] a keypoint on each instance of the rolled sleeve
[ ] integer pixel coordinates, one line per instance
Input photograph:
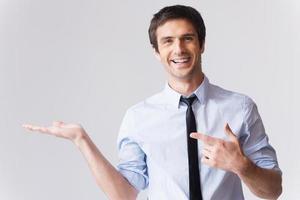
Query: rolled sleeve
(256, 144)
(132, 160)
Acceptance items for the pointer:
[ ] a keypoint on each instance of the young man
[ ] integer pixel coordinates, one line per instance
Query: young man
(228, 143)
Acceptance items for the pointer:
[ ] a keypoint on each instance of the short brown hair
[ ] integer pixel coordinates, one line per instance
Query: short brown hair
(176, 12)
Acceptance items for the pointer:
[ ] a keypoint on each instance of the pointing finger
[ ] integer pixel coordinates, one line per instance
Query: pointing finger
(204, 138)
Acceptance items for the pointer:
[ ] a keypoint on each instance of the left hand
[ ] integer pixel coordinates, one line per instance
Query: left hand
(218, 153)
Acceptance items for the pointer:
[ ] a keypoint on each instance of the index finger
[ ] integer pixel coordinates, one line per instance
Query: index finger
(204, 138)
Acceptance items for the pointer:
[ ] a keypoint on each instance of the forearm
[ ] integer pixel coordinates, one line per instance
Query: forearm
(265, 183)
(114, 185)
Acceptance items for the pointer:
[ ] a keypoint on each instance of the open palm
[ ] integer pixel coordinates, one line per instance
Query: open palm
(60, 129)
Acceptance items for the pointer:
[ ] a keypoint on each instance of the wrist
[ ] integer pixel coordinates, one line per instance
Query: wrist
(244, 166)
(79, 138)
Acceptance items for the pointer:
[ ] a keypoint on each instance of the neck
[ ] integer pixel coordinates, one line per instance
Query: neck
(186, 87)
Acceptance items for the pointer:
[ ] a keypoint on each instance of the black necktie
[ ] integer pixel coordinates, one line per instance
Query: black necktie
(194, 177)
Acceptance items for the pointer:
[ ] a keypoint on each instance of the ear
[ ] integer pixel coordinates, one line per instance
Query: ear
(156, 54)
(202, 48)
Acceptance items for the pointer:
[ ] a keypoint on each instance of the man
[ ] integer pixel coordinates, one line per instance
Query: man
(158, 137)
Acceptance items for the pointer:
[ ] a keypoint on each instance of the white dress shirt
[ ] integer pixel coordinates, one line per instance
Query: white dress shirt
(153, 148)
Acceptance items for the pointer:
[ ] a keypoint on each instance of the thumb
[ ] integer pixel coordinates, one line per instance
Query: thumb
(229, 132)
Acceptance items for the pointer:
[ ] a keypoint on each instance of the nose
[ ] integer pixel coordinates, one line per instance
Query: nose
(179, 47)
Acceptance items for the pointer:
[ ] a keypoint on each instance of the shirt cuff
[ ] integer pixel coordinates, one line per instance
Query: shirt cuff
(137, 180)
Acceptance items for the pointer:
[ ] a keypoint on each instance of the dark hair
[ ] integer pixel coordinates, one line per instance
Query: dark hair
(176, 12)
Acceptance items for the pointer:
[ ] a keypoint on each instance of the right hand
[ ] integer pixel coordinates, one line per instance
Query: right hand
(60, 129)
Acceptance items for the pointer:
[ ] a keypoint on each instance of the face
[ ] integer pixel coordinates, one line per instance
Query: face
(179, 49)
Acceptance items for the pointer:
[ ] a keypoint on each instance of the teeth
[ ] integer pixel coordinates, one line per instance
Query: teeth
(180, 60)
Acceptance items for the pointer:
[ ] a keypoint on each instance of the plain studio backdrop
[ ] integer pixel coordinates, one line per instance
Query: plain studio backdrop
(88, 61)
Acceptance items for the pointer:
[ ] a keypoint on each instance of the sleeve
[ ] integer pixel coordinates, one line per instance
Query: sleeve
(255, 141)
(132, 160)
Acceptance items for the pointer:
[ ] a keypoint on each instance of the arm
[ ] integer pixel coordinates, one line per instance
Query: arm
(264, 183)
(229, 156)
(114, 185)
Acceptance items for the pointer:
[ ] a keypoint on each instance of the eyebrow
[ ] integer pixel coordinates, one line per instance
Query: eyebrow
(189, 35)
(184, 35)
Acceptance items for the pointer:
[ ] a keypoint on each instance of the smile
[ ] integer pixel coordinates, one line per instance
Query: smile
(181, 60)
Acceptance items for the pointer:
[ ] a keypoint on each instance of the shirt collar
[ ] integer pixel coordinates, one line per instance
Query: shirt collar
(173, 97)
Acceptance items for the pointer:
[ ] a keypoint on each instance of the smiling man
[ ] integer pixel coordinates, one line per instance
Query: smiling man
(179, 50)
(193, 140)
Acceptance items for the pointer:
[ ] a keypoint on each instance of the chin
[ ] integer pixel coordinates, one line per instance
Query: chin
(182, 76)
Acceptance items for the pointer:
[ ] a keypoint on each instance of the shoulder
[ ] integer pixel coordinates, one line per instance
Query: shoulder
(228, 97)
(145, 109)
(231, 104)
(147, 104)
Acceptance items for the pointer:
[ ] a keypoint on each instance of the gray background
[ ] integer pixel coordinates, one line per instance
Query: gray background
(87, 61)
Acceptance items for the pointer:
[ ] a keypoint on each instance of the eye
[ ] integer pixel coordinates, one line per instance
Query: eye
(188, 38)
(168, 41)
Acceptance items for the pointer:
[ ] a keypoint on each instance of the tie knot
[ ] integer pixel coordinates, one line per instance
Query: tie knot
(188, 101)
